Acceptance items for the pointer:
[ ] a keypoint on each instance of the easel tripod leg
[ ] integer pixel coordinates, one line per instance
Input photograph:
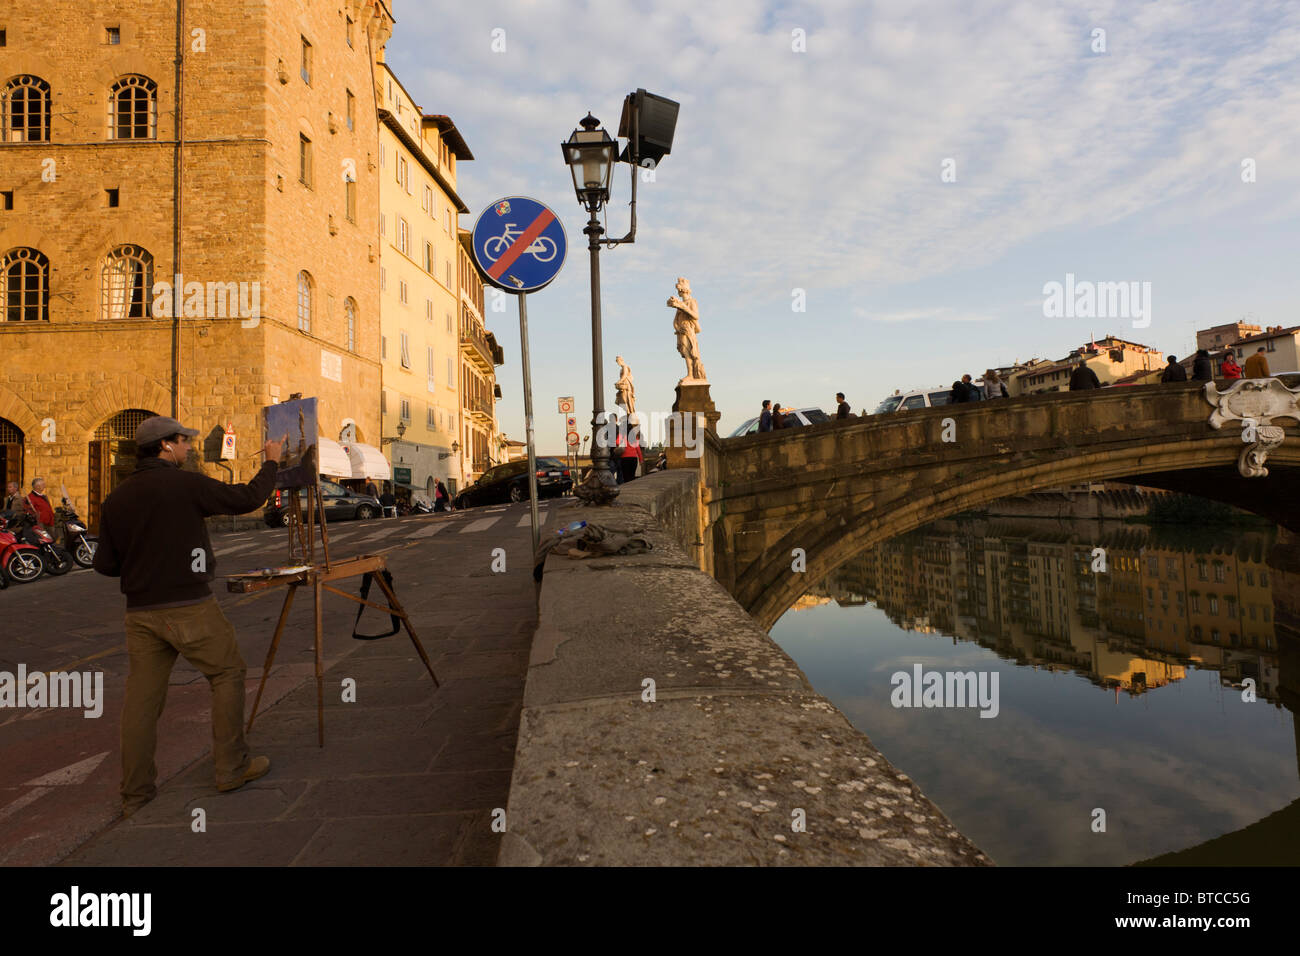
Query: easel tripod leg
(270, 652)
(320, 685)
(400, 611)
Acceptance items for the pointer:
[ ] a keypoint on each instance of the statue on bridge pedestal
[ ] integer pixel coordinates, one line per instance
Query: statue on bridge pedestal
(625, 390)
(686, 323)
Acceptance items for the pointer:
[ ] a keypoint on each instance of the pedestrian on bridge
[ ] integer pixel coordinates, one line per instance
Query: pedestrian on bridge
(778, 417)
(1230, 370)
(765, 419)
(842, 409)
(1083, 377)
(1173, 371)
(1203, 367)
(994, 387)
(1257, 365)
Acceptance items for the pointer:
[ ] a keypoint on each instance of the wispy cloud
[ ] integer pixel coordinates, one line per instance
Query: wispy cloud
(823, 170)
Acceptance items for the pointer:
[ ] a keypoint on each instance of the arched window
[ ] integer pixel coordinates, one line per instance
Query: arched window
(350, 311)
(26, 107)
(25, 285)
(126, 283)
(133, 108)
(304, 302)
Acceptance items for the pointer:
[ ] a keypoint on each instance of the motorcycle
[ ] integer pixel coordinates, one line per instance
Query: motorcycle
(56, 560)
(421, 507)
(19, 561)
(80, 543)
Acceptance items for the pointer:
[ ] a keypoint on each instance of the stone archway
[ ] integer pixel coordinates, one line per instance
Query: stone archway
(121, 391)
(11, 453)
(112, 457)
(18, 426)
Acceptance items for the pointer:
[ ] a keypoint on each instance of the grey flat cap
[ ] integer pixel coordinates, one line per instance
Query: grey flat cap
(152, 429)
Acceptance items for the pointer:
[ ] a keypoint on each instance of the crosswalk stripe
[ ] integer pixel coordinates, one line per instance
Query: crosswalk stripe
(427, 530)
(239, 547)
(482, 524)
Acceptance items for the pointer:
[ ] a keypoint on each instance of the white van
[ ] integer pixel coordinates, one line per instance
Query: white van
(923, 398)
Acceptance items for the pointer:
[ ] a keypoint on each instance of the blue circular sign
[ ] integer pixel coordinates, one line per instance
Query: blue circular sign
(519, 244)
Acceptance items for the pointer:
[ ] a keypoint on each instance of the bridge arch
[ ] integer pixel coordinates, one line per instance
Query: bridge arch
(835, 490)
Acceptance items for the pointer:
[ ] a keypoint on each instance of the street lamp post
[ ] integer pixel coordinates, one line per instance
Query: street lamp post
(591, 154)
(648, 122)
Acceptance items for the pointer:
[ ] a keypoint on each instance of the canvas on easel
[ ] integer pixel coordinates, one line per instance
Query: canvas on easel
(295, 424)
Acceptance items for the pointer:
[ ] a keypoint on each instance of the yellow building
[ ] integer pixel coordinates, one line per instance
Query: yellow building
(482, 444)
(419, 220)
(113, 184)
(1111, 358)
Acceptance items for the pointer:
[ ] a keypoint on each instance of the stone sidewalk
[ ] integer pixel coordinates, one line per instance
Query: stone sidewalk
(409, 774)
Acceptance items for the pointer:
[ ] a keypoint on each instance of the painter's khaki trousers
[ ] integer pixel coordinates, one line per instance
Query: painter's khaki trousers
(201, 633)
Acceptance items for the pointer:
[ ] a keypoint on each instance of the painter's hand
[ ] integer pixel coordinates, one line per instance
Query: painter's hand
(273, 450)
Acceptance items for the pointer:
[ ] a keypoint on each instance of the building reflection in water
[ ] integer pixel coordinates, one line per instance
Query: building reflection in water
(1031, 595)
(1173, 600)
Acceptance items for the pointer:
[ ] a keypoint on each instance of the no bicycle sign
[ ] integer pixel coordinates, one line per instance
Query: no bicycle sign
(519, 244)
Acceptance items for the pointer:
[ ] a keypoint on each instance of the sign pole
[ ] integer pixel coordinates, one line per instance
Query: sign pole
(528, 417)
(519, 246)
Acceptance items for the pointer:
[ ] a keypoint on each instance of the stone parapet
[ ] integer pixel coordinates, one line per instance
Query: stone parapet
(662, 726)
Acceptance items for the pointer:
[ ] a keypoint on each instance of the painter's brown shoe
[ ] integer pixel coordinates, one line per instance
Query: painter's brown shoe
(257, 767)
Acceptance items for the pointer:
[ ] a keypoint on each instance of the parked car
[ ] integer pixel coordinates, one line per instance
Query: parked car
(795, 419)
(509, 482)
(924, 398)
(340, 503)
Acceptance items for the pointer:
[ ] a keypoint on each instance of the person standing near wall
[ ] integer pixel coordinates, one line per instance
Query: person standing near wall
(153, 536)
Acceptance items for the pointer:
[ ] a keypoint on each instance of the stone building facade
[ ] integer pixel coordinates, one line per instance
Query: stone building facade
(419, 289)
(235, 149)
(482, 444)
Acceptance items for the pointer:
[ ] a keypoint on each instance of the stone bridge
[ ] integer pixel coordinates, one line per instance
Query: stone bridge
(838, 488)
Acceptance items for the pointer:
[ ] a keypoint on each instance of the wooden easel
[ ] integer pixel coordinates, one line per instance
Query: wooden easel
(316, 576)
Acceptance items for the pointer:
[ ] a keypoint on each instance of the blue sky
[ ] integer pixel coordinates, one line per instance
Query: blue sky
(821, 170)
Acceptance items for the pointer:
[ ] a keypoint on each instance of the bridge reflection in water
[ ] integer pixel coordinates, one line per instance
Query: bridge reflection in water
(1119, 690)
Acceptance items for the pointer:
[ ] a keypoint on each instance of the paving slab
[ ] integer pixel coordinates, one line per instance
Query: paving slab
(410, 773)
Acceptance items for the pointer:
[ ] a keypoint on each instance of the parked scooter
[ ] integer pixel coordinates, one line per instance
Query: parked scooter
(29, 531)
(421, 507)
(79, 542)
(19, 560)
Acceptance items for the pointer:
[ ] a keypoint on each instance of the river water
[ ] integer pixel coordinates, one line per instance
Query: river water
(1125, 657)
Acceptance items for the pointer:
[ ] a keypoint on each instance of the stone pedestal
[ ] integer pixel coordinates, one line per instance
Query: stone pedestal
(695, 413)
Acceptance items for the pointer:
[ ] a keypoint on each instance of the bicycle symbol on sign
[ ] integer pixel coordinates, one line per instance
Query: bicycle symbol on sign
(494, 247)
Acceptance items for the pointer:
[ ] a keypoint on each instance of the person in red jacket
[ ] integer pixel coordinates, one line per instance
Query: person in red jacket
(1230, 369)
(152, 535)
(44, 510)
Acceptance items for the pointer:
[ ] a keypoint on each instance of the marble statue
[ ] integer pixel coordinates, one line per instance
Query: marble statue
(624, 388)
(686, 323)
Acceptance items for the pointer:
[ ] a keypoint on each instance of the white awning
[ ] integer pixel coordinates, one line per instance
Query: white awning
(334, 461)
(368, 462)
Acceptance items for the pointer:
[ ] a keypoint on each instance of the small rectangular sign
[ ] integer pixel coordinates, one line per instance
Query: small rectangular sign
(331, 366)
(401, 475)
